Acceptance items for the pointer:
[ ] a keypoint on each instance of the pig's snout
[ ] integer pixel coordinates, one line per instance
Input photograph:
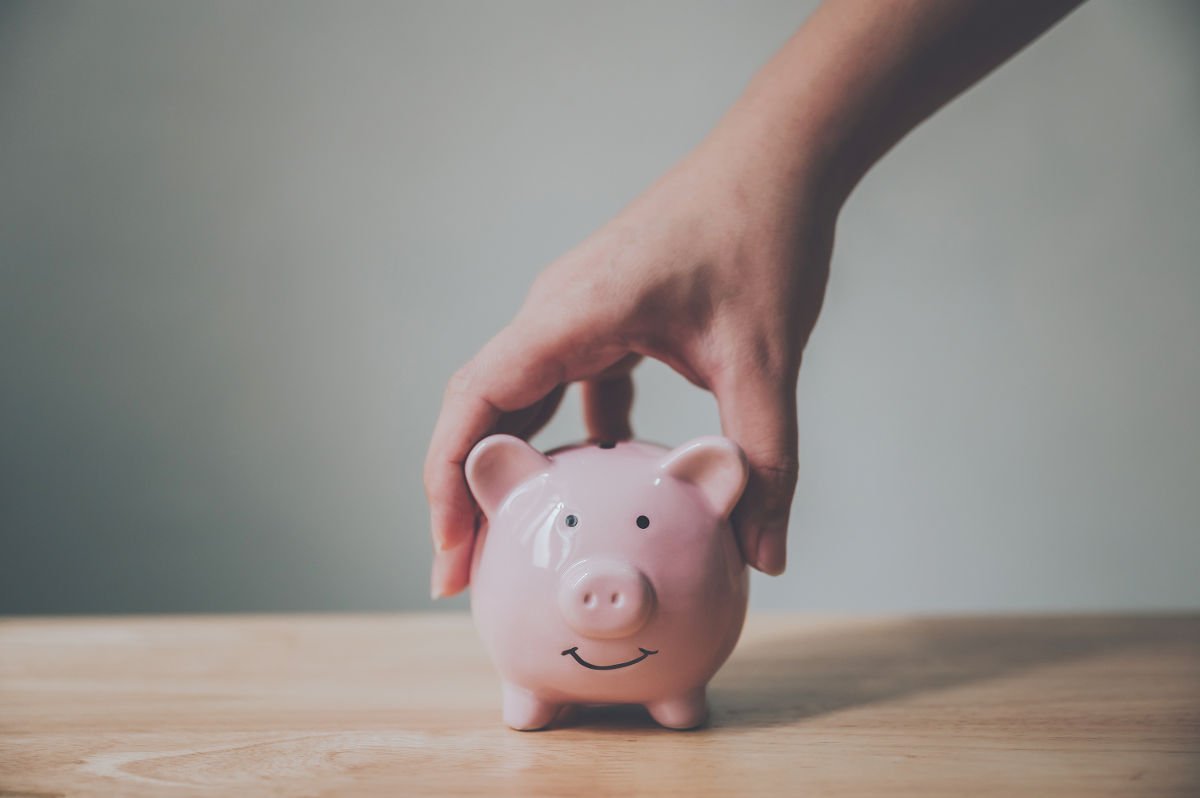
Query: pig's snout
(605, 598)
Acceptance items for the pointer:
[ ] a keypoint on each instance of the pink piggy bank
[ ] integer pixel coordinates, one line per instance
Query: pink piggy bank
(607, 574)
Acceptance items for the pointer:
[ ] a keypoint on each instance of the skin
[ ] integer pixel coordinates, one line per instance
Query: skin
(719, 268)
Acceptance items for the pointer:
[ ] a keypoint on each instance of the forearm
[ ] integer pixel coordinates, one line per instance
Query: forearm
(859, 74)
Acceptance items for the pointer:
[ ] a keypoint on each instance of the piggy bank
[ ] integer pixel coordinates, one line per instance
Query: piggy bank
(607, 574)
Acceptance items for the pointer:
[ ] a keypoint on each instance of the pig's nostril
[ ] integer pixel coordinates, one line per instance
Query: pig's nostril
(602, 598)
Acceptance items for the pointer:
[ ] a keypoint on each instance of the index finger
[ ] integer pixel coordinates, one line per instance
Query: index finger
(507, 375)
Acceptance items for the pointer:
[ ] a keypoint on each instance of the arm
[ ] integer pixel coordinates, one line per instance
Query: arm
(860, 74)
(719, 268)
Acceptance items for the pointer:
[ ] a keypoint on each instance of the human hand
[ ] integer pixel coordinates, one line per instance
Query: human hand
(719, 271)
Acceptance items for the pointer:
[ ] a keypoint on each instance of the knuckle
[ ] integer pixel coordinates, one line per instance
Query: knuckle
(782, 470)
(435, 491)
(778, 478)
(460, 380)
(766, 360)
(772, 358)
(430, 478)
(443, 484)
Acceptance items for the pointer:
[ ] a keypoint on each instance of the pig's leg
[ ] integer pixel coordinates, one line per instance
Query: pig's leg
(566, 714)
(524, 711)
(685, 711)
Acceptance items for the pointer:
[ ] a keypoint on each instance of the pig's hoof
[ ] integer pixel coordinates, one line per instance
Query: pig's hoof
(681, 712)
(524, 711)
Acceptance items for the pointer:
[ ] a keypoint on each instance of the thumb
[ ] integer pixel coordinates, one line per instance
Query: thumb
(758, 412)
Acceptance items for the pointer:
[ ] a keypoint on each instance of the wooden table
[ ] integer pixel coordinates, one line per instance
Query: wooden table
(404, 705)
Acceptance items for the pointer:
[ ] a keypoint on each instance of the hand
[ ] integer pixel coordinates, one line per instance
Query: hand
(719, 271)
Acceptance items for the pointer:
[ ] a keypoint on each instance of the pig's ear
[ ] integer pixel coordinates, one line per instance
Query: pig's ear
(498, 464)
(713, 464)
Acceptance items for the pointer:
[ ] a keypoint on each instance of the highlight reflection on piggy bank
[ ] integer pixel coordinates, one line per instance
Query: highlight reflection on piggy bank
(607, 574)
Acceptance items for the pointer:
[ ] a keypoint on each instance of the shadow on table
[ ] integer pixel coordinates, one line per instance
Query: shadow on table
(823, 670)
(827, 668)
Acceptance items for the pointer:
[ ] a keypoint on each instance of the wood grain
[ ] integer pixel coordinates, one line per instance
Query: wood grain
(408, 705)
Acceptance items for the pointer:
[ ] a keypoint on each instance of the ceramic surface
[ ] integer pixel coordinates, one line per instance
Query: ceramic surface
(607, 573)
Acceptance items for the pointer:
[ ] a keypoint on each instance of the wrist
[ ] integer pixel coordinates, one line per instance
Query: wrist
(790, 165)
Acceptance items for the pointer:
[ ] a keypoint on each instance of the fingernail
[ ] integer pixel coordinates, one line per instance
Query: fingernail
(439, 537)
(771, 557)
(445, 540)
(435, 581)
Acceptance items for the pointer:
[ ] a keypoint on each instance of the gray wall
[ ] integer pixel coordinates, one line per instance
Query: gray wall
(243, 245)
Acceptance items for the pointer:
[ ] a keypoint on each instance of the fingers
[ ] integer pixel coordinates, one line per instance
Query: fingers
(540, 416)
(451, 570)
(608, 400)
(510, 373)
(514, 384)
(759, 413)
(606, 407)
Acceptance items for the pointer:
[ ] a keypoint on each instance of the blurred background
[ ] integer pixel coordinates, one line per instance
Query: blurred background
(243, 245)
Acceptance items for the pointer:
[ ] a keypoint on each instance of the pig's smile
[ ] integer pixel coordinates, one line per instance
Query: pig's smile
(574, 652)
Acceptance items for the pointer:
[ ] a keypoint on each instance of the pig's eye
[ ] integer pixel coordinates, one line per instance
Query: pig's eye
(643, 522)
(572, 520)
